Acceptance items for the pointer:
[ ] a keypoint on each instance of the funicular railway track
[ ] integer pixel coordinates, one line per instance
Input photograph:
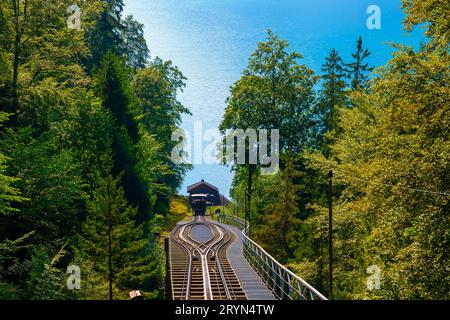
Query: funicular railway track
(200, 269)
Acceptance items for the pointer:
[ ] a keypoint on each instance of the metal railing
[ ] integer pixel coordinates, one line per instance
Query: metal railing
(284, 284)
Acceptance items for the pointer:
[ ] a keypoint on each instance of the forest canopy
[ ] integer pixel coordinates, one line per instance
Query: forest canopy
(85, 176)
(384, 133)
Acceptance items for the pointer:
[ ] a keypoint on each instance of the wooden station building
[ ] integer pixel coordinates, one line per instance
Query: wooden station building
(202, 195)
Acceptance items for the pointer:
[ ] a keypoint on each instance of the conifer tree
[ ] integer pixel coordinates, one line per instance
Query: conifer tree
(106, 34)
(281, 221)
(133, 43)
(112, 241)
(113, 86)
(357, 70)
(8, 193)
(333, 90)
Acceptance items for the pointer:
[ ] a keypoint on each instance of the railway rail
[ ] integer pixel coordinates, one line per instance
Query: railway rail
(199, 267)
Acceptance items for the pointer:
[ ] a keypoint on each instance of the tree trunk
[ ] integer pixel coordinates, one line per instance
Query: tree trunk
(320, 266)
(14, 106)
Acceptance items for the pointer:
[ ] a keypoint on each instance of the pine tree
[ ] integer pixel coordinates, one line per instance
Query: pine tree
(110, 239)
(9, 194)
(392, 172)
(113, 86)
(357, 70)
(12, 269)
(333, 93)
(46, 282)
(133, 43)
(106, 34)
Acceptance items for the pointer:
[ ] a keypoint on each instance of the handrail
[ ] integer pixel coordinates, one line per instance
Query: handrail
(283, 282)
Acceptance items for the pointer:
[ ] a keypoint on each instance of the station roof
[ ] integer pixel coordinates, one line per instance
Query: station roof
(198, 184)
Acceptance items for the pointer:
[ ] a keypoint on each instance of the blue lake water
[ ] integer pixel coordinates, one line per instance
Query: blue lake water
(211, 40)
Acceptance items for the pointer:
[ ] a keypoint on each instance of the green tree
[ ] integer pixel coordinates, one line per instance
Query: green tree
(8, 193)
(113, 86)
(12, 268)
(87, 129)
(156, 88)
(105, 36)
(36, 30)
(46, 281)
(275, 92)
(333, 93)
(118, 248)
(358, 70)
(44, 169)
(134, 46)
(391, 164)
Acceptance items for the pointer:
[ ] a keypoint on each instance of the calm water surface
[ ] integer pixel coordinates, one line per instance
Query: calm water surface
(211, 40)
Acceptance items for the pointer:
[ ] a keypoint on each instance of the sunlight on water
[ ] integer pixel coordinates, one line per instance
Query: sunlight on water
(211, 41)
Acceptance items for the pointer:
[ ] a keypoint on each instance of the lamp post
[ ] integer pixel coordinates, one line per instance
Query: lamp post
(330, 234)
(247, 212)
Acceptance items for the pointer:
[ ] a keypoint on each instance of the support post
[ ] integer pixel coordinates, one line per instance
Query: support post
(110, 274)
(110, 258)
(168, 271)
(330, 235)
(245, 210)
(248, 212)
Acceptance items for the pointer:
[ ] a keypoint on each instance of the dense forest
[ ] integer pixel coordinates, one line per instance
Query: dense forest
(85, 172)
(86, 179)
(383, 132)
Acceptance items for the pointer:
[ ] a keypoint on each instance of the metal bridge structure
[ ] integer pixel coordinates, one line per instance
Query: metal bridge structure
(217, 260)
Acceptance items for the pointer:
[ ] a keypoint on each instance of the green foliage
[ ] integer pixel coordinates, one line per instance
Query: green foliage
(12, 268)
(431, 15)
(8, 193)
(70, 116)
(275, 92)
(408, 228)
(105, 36)
(333, 94)
(357, 70)
(392, 176)
(113, 86)
(46, 281)
(40, 55)
(134, 45)
(109, 232)
(280, 223)
(111, 33)
(156, 88)
(50, 177)
(87, 130)
(389, 154)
